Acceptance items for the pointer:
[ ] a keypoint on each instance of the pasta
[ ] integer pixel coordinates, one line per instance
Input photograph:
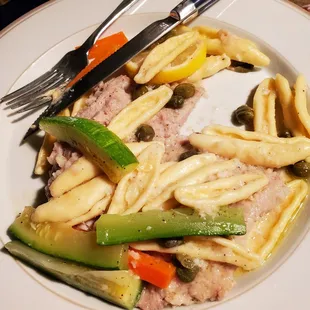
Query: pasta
(301, 102)
(237, 133)
(164, 166)
(286, 99)
(140, 111)
(74, 203)
(42, 164)
(242, 50)
(212, 172)
(211, 66)
(207, 197)
(206, 248)
(207, 31)
(138, 147)
(97, 209)
(78, 173)
(264, 105)
(268, 231)
(221, 42)
(84, 170)
(79, 105)
(135, 188)
(259, 243)
(162, 55)
(181, 169)
(266, 154)
(198, 176)
(214, 46)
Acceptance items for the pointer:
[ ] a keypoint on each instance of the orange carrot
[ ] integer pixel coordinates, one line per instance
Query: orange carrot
(151, 269)
(100, 51)
(103, 48)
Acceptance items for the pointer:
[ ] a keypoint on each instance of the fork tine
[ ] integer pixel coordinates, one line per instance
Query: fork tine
(39, 88)
(31, 86)
(24, 100)
(33, 105)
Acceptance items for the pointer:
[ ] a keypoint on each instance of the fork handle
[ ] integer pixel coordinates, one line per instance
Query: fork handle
(121, 9)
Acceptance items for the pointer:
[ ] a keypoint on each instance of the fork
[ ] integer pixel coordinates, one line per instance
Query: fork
(39, 92)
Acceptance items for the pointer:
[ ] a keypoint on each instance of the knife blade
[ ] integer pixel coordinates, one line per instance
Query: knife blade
(106, 68)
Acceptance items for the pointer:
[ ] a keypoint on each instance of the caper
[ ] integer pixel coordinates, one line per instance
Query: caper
(241, 67)
(187, 275)
(186, 90)
(186, 261)
(285, 134)
(244, 115)
(175, 102)
(188, 154)
(140, 91)
(145, 133)
(301, 169)
(170, 243)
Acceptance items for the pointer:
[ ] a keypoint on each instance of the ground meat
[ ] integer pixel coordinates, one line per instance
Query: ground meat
(107, 100)
(63, 155)
(61, 158)
(262, 202)
(265, 200)
(167, 124)
(152, 298)
(175, 147)
(271, 196)
(211, 283)
(86, 226)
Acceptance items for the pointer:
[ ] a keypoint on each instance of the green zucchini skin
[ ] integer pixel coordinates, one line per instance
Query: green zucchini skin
(61, 240)
(94, 140)
(120, 287)
(113, 229)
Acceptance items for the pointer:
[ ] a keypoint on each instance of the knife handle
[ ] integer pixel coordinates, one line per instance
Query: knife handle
(189, 9)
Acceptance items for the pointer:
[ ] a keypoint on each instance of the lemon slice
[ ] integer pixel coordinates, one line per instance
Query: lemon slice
(163, 54)
(188, 62)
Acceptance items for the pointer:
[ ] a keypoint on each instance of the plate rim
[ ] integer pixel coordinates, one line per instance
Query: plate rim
(46, 5)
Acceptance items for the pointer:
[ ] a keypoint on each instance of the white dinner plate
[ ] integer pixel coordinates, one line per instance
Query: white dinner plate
(36, 41)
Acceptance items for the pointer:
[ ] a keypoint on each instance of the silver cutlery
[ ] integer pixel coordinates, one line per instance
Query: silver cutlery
(184, 11)
(39, 91)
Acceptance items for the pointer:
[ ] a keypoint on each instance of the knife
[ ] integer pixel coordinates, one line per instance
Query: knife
(183, 12)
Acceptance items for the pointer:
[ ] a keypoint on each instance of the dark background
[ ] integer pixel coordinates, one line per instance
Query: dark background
(16, 8)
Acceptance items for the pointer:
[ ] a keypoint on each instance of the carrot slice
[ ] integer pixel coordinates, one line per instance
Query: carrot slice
(100, 51)
(103, 48)
(151, 269)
